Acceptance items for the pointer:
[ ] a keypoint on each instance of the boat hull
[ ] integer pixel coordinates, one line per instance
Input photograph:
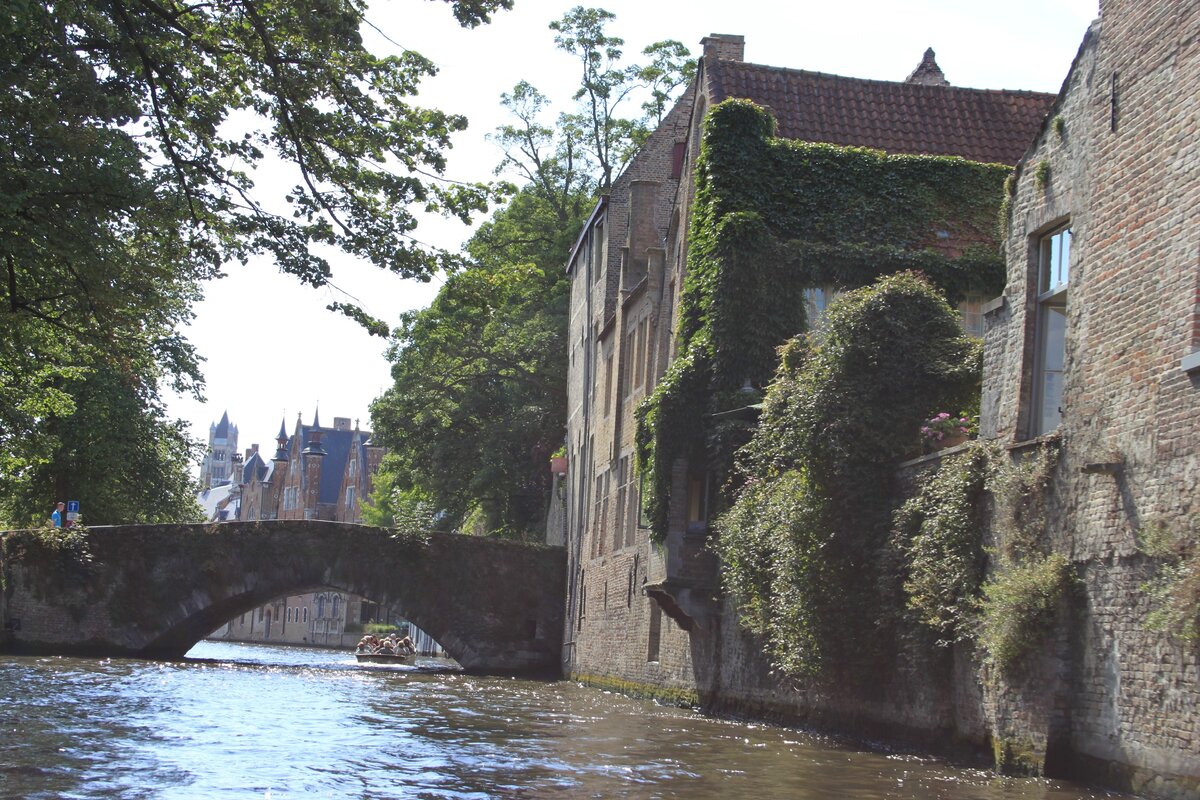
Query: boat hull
(384, 658)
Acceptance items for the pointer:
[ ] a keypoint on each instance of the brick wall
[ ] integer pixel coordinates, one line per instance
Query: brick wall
(1124, 169)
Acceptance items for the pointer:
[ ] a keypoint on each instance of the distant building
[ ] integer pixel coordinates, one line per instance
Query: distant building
(316, 473)
(216, 468)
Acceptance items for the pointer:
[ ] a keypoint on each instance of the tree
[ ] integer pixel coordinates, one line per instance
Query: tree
(129, 133)
(478, 402)
(604, 87)
(479, 393)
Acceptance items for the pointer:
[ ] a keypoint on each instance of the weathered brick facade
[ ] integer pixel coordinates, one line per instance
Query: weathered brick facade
(1118, 163)
(648, 618)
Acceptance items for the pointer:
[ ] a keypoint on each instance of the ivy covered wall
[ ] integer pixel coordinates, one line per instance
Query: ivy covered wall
(773, 217)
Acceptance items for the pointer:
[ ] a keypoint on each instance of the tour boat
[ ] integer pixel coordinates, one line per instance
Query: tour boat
(405, 659)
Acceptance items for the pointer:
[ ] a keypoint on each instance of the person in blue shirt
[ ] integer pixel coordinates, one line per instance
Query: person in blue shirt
(57, 516)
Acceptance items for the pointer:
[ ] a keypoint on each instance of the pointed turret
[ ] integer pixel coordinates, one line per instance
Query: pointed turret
(313, 446)
(281, 439)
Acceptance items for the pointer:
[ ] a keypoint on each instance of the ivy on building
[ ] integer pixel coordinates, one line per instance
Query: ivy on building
(802, 545)
(1002, 598)
(773, 217)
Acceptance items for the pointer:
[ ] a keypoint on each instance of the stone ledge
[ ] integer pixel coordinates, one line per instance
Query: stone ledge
(1191, 363)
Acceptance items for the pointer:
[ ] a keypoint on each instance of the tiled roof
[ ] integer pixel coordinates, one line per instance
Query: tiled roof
(979, 124)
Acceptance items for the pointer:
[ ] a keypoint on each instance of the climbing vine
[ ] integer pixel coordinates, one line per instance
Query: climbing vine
(801, 545)
(938, 534)
(773, 217)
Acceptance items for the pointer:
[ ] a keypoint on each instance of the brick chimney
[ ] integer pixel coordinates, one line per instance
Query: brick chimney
(724, 47)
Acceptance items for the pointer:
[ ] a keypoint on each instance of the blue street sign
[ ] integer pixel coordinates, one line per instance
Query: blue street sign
(73, 506)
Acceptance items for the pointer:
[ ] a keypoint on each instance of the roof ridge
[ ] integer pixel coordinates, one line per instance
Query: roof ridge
(880, 81)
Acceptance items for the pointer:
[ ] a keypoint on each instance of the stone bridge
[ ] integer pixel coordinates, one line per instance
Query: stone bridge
(153, 591)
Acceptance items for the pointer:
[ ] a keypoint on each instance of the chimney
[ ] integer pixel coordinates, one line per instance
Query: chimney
(643, 233)
(724, 47)
(341, 423)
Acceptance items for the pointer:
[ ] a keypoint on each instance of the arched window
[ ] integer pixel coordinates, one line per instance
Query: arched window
(337, 602)
(305, 614)
(320, 606)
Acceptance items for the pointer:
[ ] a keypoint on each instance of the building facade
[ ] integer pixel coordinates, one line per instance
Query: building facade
(643, 612)
(1094, 350)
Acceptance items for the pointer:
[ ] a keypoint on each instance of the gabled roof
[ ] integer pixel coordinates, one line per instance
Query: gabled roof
(993, 126)
(337, 445)
(256, 469)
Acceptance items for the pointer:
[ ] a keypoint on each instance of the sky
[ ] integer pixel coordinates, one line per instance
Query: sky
(273, 351)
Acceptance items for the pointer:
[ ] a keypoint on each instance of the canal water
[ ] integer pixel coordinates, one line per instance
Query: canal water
(244, 721)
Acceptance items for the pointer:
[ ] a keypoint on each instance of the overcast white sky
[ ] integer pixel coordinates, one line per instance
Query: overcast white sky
(273, 350)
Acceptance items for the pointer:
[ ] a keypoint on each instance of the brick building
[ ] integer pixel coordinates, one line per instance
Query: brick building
(643, 614)
(1095, 348)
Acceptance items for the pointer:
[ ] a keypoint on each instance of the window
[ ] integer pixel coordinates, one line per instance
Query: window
(629, 359)
(337, 605)
(219, 456)
(646, 354)
(599, 250)
(622, 493)
(816, 300)
(353, 467)
(971, 309)
(304, 613)
(608, 377)
(697, 503)
(1054, 267)
(320, 606)
(655, 638)
(349, 497)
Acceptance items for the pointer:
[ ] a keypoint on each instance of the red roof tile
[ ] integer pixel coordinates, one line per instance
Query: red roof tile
(979, 124)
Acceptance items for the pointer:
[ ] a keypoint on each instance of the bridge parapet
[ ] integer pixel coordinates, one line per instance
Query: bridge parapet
(155, 590)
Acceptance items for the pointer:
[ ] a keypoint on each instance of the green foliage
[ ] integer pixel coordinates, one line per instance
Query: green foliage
(1041, 174)
(609, 139)
(1060, 125)
(129, 132)
(59, 555)
(802, 545)
(1175, 588)
(937, 533)
(773, 217)
(479, 394)
(1018, 606)
(938, 537)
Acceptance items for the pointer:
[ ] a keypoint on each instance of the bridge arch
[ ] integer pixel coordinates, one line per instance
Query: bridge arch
(155, 590)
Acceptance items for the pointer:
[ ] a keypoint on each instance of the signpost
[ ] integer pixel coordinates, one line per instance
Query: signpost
(72, 512)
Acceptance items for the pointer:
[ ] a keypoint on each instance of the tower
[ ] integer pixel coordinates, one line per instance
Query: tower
(215, 469)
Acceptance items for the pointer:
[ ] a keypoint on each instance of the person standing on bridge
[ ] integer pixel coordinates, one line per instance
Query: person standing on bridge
(57, 517)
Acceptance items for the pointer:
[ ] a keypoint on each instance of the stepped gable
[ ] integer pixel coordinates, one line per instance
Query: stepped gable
(993, 126)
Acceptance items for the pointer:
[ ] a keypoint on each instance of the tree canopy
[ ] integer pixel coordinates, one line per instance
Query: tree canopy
(129, 135)
(478, 402)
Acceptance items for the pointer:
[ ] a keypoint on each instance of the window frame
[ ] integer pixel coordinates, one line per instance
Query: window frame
(1051, 297)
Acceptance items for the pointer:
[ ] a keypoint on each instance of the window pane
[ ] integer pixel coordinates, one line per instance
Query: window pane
(1054, 332)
